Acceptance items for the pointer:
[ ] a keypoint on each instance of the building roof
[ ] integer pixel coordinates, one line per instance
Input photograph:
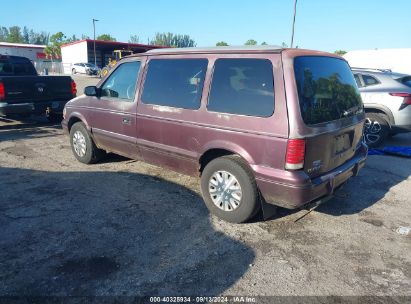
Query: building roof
(218, 49)
(113, 43)
(22, 45)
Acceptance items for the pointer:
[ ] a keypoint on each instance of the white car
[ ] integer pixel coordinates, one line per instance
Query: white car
(387, 103)
(85, 68)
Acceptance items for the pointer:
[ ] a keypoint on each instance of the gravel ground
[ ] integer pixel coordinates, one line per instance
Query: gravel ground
(123, 227)
(83, 80)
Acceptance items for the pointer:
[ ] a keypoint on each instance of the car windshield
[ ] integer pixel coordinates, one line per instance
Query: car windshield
(326, 89)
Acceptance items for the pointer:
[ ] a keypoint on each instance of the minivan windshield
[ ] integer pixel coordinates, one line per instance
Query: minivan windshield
(326, 89)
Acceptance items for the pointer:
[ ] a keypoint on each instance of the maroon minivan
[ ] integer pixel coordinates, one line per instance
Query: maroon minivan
(261, 123)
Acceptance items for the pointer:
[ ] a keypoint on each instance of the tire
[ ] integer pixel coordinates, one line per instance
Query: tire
(73, 71)
(90, 153)
(376, 129)
(233, 210)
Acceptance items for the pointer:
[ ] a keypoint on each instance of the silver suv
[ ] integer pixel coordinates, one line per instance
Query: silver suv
(387, 102)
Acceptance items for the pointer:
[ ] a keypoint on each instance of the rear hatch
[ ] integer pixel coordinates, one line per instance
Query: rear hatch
(331, 110)
(20, 89)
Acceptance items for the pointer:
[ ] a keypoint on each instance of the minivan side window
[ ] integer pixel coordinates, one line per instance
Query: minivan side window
(175, 83)
(121, 84)
(242, 86)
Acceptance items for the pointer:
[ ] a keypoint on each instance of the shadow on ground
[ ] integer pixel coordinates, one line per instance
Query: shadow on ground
(25, 128)
(110, 233)
(372, 184)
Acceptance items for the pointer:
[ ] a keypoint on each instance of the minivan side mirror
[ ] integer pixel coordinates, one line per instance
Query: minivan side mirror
(91, 91)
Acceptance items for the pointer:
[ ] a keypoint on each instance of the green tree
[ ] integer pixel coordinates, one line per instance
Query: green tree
(340, 52)
(134, 39)
(4, 34)
(26, 37)
(173, 40)
(264, 43)
(38, 38)
(284, 45)
(106, 37)
(222, 43)
(15, 35)
(84, 37)
(250, 42)
(53, 50)
(72, 39)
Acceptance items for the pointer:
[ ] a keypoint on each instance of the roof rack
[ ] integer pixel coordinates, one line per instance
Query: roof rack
(216, 49)
(373, 69)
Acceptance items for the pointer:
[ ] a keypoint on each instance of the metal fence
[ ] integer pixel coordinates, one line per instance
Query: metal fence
(50, 67)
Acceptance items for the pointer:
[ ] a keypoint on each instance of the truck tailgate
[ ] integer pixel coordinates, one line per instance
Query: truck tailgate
(19, 89)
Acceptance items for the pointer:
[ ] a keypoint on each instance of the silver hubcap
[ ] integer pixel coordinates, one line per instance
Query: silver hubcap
(225, 190)
(79, 143)
(372, 131)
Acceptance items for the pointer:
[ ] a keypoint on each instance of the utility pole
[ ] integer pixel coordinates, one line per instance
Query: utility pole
(295, 12)
(94, 40)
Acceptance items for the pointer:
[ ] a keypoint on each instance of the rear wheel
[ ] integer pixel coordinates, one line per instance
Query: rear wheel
(229, 189)
(376, 129)
(73, 71)
(83, 146)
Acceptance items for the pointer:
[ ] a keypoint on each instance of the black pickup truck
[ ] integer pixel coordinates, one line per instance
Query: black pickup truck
(23, 91)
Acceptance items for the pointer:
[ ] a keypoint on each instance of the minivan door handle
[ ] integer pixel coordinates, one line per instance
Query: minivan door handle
(126, 121)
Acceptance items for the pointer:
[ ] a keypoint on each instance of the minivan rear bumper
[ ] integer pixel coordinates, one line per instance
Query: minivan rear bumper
(294, 189)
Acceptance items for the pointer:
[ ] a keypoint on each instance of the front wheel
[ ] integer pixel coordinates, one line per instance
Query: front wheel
(376, 129)
(83, 146)
(229, 189)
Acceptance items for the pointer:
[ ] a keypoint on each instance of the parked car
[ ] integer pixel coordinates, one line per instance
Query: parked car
(387, 101)
(261, 123)
(23, 92)
(85, 68)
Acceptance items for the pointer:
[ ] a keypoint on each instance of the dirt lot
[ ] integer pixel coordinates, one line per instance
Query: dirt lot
(127, 228)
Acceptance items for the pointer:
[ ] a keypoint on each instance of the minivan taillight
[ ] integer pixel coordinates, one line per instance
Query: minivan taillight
(73, 88)
(294, 158)
(407, 99)
(2, 91)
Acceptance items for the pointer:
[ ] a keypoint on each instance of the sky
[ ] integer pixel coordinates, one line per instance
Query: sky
(326, 25)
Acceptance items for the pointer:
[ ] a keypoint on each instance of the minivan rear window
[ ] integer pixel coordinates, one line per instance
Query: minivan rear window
(326, 89)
